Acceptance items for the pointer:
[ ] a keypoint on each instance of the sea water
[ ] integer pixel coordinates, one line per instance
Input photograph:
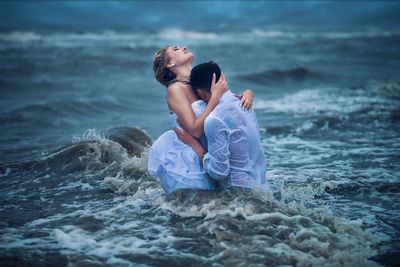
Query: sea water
(79, 110)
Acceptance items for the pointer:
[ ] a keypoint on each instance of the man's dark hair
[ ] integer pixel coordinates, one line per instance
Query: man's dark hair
(201, 76)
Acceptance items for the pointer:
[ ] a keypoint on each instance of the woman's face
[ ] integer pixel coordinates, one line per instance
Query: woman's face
(178, 56)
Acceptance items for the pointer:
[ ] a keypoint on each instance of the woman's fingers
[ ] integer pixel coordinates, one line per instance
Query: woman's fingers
(247, 100)
(246, 104)
(178, 132)
(218, 88)
(223, 81)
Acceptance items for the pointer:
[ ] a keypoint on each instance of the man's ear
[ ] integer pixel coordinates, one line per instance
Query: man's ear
(201, 94)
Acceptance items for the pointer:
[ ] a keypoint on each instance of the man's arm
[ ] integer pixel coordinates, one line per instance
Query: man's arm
(217, 161)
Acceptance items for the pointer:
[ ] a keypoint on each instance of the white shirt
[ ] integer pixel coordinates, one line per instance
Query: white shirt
(235, 156)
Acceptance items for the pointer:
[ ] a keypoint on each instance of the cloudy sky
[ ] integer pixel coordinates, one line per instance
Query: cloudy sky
(152, 15)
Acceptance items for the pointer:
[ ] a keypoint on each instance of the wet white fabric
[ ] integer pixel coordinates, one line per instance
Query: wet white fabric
(235, 157)
(176, 164)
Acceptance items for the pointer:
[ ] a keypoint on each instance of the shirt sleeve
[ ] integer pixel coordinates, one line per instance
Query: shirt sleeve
(216, 161)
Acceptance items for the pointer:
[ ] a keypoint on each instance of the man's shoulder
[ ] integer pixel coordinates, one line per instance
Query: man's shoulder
(214, 117)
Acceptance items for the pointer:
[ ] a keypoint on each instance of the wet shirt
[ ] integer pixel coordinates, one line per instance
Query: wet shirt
(235, 157)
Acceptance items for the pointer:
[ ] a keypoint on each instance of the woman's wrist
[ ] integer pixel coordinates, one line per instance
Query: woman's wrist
(198, 149)
(216, 96)
(213, 102)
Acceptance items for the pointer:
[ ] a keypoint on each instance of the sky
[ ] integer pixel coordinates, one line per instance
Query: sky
(198, 15)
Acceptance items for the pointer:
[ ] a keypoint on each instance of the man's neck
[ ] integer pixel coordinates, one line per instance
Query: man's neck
(208, 96)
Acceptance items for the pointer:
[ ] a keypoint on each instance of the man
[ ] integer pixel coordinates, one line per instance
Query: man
(235, 157)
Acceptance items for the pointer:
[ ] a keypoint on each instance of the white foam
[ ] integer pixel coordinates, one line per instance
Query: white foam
(315, 235)
(137, 163)
(327, 35)
(272, 34)
(90, 135)
(20, 36)
(76, 239)
(316, 100)
(145, 39)
(179, 34)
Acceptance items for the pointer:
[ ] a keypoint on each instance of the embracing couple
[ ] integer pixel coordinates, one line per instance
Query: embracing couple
(216, 140)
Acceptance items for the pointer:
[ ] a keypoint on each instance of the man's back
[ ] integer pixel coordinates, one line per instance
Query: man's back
(235, 156)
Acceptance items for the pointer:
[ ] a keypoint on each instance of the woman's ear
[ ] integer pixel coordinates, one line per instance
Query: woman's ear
(170, 65)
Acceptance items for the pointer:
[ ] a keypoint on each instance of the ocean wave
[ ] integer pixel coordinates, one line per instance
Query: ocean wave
(333, 113)
(278, 75)
(50, 111)
(93, 151)
(120, 149)
(272, 34)
(326, 101)
(305, 101)
(387, 89)
(324, 34)
(269, 231)
(179, 34)
(128, 40)
(307, 128)
(72, 39)
(140, 39)
(110, 192)
(21, 37)
(359, 188)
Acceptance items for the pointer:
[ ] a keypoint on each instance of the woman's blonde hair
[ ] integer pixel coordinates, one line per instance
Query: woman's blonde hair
(163, 74)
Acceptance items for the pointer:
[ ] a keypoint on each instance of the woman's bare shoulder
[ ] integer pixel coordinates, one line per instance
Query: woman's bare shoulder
(177, 89)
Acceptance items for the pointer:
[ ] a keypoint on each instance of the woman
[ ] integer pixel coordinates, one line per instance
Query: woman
(174, 163)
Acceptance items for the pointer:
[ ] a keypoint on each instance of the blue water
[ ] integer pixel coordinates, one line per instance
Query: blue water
(74, 185)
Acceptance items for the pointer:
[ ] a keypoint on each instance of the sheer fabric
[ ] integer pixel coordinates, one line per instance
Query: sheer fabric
(235, 157)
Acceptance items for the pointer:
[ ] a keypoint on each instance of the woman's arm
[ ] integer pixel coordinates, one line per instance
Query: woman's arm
(179, 103)
(189, 140)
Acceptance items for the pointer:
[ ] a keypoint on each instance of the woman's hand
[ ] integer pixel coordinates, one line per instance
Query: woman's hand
(189, 140)
(185, 137)
(218, 88)
(246, 99)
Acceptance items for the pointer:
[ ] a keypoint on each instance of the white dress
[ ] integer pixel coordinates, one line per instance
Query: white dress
(176, 164)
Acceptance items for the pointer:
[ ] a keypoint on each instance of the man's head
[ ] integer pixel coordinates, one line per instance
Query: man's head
(201, 78)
